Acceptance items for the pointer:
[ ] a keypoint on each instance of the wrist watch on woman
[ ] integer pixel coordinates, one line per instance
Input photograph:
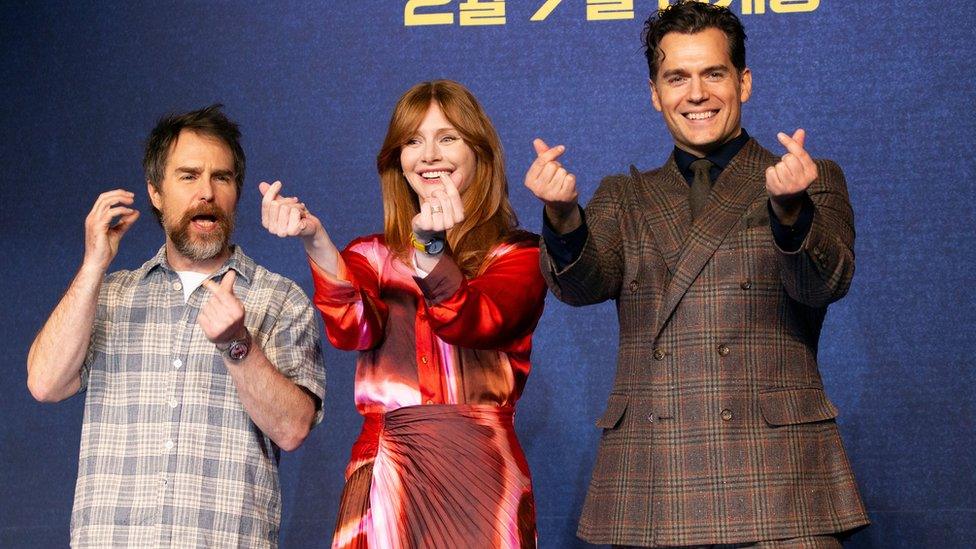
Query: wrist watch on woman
(433, 246)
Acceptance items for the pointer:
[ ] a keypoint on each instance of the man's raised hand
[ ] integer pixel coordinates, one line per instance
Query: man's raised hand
(222, 317)
(554, 186)
(101, 237)
(788, 179)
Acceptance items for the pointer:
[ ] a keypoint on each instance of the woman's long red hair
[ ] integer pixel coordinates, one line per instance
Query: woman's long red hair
(489, 217)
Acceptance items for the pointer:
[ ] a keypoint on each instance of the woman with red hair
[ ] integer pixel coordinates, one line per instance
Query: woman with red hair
(441, 307)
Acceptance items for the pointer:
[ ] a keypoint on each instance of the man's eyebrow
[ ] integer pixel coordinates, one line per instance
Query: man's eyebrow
(714, 68)
(674, 72)
(229, 173)
(188, 169)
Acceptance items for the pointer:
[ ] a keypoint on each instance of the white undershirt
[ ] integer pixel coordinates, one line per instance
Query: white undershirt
(191, 281)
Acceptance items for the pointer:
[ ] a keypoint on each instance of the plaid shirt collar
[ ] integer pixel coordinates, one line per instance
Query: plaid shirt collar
(241, 263)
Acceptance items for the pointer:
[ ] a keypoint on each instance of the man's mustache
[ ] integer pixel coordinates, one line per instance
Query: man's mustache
(206, 210)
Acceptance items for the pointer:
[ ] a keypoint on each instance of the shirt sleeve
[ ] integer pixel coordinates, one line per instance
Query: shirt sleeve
(354, 315)
(789, 238)
(493, 310)
(564, 248)
(293, 346)
(98, 342)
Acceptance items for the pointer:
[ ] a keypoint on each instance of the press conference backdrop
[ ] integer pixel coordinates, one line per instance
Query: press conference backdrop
(883, 87)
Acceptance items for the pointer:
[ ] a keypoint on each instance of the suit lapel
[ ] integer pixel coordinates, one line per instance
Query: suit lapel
(738, 185)
(665, 209)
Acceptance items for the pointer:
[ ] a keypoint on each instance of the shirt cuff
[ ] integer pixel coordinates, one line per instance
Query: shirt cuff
(332, 289)
(420, 272)
(564, 248)
(789, 238)
(441, 282)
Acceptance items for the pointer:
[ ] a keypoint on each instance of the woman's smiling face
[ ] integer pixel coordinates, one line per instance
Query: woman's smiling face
(436, 149)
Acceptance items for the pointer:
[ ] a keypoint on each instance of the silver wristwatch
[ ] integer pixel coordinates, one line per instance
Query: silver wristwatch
(237, 349)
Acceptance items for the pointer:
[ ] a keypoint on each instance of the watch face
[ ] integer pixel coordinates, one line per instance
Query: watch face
(434, 246)
(238, 350)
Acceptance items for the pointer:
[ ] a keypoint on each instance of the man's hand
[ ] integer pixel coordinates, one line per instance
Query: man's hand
(285, 216)
(440, 211)
(554, 186)
(101, 237)
(222, 316)
(788, 180)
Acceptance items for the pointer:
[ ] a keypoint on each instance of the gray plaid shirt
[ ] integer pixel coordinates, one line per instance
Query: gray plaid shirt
(169, 457)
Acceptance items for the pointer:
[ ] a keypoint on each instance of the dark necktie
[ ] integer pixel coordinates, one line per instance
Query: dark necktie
(701, 186)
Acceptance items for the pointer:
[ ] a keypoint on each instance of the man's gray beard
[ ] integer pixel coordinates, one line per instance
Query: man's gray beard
(202, 247)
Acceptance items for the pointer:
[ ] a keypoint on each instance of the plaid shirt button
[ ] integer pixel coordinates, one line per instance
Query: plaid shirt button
(726, 415)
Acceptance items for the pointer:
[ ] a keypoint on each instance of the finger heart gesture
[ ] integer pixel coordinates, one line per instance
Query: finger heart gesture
(549, 180)
(794, 173)
(440, 211)
(285, 216)
(222, 317)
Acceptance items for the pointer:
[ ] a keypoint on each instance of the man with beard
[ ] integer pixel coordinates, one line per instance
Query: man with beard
(199, 366)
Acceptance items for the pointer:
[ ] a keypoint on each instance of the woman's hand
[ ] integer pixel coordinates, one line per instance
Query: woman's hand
(439, 212)
(285, 216)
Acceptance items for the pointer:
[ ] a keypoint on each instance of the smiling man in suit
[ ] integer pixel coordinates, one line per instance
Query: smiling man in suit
(722, 263)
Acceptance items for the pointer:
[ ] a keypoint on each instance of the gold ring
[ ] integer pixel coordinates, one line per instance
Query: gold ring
(437, 210)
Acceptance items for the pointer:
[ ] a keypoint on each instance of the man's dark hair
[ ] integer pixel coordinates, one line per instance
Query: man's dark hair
(209, 121)
(690, 17)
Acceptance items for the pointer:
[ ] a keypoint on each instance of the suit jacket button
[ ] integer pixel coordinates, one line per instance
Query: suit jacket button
(746, 284)
(659, 354)
(724, 350)
(634, 285)
(726, 415)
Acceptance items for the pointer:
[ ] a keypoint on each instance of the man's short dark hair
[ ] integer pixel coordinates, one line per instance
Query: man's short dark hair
(209, 121)
(690, 17)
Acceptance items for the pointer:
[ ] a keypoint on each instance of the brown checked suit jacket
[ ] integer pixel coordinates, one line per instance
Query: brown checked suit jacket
(717, 429)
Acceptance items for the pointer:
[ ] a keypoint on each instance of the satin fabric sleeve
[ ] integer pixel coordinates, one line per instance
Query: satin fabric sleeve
(354, 315)
(493, 310)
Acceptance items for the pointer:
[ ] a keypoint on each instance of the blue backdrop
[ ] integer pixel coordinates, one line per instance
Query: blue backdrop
(884, 87)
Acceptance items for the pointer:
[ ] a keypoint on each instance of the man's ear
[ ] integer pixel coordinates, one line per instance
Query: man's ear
(154, 196)
(655, 100)
(745, 84)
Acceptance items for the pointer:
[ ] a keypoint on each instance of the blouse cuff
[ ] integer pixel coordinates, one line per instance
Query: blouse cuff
(442, 282)
(331, 289)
